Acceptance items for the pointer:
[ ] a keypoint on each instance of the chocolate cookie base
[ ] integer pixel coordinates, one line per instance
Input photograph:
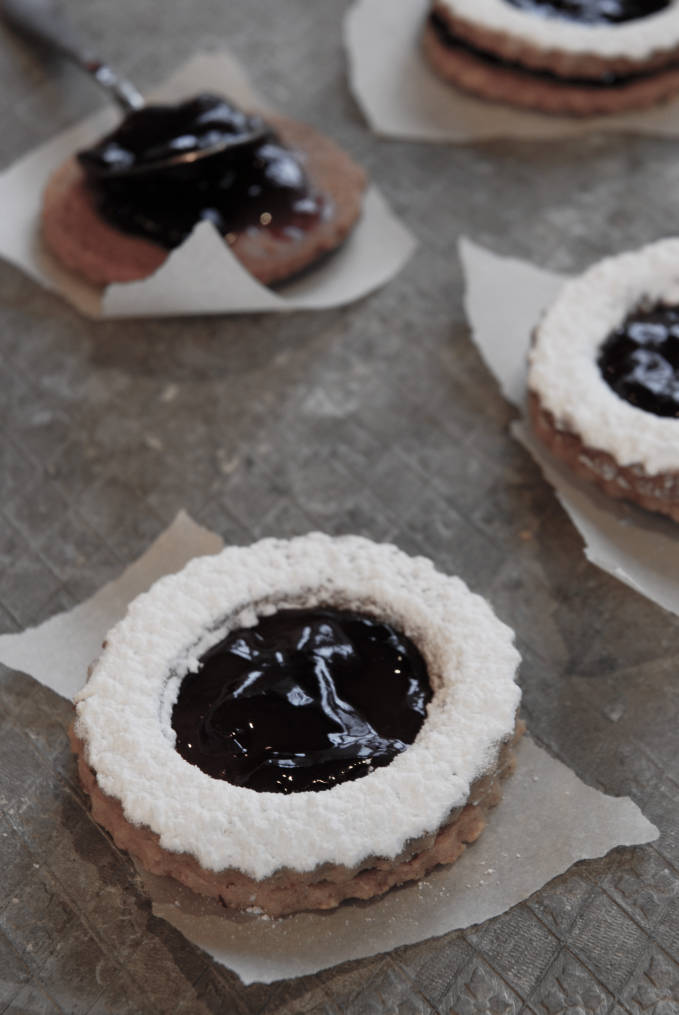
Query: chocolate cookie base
(86, 244)
(659, 493)
(290, 891)
(513, 85)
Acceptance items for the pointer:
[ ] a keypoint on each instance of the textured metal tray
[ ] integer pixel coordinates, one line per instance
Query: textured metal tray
(377, 419)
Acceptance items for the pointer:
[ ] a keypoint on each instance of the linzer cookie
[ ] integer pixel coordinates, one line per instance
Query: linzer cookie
(576, 57)
(295, 723)
(604, 376)
(281, 194)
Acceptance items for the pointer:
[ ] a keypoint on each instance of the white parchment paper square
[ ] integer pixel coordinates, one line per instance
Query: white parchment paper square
(634, 546)
(548, 819)
(202, 276)
(402, 97)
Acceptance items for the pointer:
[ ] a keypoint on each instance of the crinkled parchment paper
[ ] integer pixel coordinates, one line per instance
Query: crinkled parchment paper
(633, 545)
(547, 820)
(402, 97)
(201, 276)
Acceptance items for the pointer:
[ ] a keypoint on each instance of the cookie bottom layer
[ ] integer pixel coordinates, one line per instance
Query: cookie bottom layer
(88, 245)
(659, 493)
(516, 86)
(325, 887)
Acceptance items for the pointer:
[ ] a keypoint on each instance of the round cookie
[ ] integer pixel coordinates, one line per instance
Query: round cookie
(522, 56)
(87, 244)
(614, 328)
(308, 849)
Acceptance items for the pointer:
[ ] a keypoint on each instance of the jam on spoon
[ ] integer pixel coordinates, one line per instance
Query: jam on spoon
(255, 181)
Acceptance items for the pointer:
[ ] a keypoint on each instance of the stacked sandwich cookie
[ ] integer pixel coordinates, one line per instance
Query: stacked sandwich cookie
(604, 376)
(295, 723)
(575, 57)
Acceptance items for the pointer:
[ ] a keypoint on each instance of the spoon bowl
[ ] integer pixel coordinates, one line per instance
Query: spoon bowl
(43, 22)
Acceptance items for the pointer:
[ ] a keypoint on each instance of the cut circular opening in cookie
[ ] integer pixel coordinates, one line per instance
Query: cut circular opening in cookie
(410, 808)
(640, 360)
(285, 706)
(604, 376)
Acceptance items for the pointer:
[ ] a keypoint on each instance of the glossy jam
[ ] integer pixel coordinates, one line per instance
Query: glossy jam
(258, 183)
(306, 699)
(640, 360)
(593, 12)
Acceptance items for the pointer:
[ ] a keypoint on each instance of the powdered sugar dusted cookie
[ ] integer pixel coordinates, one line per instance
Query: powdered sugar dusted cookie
(604, 376)
(299, 722)
(282, 196)
(579, 57)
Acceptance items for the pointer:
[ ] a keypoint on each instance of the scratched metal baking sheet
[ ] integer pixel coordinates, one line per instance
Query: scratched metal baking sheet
(381, 419)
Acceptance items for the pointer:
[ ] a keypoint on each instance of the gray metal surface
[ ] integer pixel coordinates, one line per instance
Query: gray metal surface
(377, 419)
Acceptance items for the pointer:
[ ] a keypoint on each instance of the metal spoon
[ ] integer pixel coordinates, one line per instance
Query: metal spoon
(44, 22)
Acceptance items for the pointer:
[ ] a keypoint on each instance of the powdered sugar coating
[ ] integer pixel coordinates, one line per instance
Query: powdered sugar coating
(637, 39)
(563, 361)
(124, 710)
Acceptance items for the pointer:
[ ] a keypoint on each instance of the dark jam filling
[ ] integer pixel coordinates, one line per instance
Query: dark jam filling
(306, 699)
(256, 183)
(447, 38)
(593, 12)
(640, 360)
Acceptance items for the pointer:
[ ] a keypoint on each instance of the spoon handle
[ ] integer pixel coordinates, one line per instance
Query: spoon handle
(43, 21)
